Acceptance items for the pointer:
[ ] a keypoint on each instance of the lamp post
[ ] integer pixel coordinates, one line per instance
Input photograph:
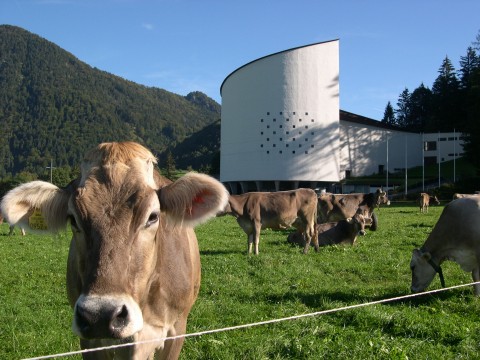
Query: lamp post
(51, 168)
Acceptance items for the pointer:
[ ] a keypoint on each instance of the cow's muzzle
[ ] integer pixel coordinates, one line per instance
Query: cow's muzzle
(103, 317)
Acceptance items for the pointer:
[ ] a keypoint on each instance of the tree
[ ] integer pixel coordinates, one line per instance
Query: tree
(169, 165)
(468, 65)
(403, 109)
(445, 98)
(470, 81)
(420, 108)
(389, 115)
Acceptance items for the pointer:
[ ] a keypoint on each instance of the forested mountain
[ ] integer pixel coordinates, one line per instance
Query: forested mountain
(54, 106)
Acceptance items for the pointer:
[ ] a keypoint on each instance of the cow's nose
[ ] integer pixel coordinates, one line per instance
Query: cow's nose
(106, 322)
(362, 232)
(98, 317)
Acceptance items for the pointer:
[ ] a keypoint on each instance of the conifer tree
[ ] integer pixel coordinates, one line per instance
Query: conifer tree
(420, 108)
(403, 109)
(446, 104)
(389, 115)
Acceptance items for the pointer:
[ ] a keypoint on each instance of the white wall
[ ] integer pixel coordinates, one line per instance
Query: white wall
(280, 117)
(363, 148)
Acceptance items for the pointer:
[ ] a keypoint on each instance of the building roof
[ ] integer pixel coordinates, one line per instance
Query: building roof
(359, 119)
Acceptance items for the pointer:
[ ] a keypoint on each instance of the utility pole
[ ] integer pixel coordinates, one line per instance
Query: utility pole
(51, 168)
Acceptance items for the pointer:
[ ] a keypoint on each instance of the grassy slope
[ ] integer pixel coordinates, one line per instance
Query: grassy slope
(280, 282)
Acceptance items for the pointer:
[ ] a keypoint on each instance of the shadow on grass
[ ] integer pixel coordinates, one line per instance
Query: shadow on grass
(220, 252)
(421, 225)
(318, 301)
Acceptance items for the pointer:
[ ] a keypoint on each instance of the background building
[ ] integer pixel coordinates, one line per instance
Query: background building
(282, 128)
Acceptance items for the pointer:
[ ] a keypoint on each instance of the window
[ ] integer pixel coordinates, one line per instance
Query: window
(430, 145)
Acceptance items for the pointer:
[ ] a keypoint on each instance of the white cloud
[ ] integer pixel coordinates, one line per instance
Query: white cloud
(147, 26)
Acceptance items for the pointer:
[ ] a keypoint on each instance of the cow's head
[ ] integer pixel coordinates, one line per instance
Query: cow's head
(381, 198)
(118, 210)
(422, 270)
(435, 199)
(359, 221)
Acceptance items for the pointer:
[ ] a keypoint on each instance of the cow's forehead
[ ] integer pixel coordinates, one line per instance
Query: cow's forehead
(119, 161)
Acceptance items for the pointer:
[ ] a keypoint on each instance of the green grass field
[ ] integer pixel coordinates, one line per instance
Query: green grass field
(280, 282)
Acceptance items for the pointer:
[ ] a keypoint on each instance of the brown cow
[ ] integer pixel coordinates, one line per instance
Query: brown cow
(133, 269)
(275, 210)
(424, 201)
(456, 237)
(344, 231)
(335, 207)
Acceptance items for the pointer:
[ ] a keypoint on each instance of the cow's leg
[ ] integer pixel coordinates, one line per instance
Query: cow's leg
(23, 231)
(256, 234)
(249, 243)
(476, 277)
(309, 235)
(306, 241)
(10, 233)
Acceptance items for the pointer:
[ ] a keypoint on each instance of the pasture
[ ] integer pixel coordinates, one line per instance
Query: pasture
(238, 289)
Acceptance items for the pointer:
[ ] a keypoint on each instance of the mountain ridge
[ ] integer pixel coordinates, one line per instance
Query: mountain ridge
(54, 106)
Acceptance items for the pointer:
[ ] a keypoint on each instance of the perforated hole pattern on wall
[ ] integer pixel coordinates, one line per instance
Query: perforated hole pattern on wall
(287, 133)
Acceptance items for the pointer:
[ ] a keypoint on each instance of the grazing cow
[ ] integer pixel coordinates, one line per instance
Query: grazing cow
(424, 201)
(133, 269)
(456, 237)
(344, 231)
(275, 210)
(335, 207)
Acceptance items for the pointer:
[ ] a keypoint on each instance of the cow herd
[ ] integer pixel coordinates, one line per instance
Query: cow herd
(133, 269)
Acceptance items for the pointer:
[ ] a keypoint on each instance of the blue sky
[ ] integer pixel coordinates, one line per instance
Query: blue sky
(188, 45)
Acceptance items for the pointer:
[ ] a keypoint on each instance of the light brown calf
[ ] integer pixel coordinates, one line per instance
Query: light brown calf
(274, 210)
(424, 201)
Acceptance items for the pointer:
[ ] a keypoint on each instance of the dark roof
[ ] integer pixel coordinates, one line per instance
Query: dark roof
(359, 119)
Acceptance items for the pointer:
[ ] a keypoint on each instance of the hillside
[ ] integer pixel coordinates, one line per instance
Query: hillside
(54, 106)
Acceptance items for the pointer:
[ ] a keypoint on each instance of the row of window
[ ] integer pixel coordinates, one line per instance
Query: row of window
(281, 113)
(293, 152)
(287, 145)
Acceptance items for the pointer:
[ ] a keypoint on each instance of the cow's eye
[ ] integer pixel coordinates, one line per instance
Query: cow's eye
(152, 219)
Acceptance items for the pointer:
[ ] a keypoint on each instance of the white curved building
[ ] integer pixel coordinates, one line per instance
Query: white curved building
(280, 115)
(281, 126)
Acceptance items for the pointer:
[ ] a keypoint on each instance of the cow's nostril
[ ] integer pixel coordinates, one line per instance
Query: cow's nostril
(119, 319)
(84, 318)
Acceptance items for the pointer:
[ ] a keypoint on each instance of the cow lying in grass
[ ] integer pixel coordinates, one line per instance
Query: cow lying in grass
(344, 231)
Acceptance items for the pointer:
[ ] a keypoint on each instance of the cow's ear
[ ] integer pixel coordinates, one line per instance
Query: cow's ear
(36, 205)
(426, 256)
(193, 198)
